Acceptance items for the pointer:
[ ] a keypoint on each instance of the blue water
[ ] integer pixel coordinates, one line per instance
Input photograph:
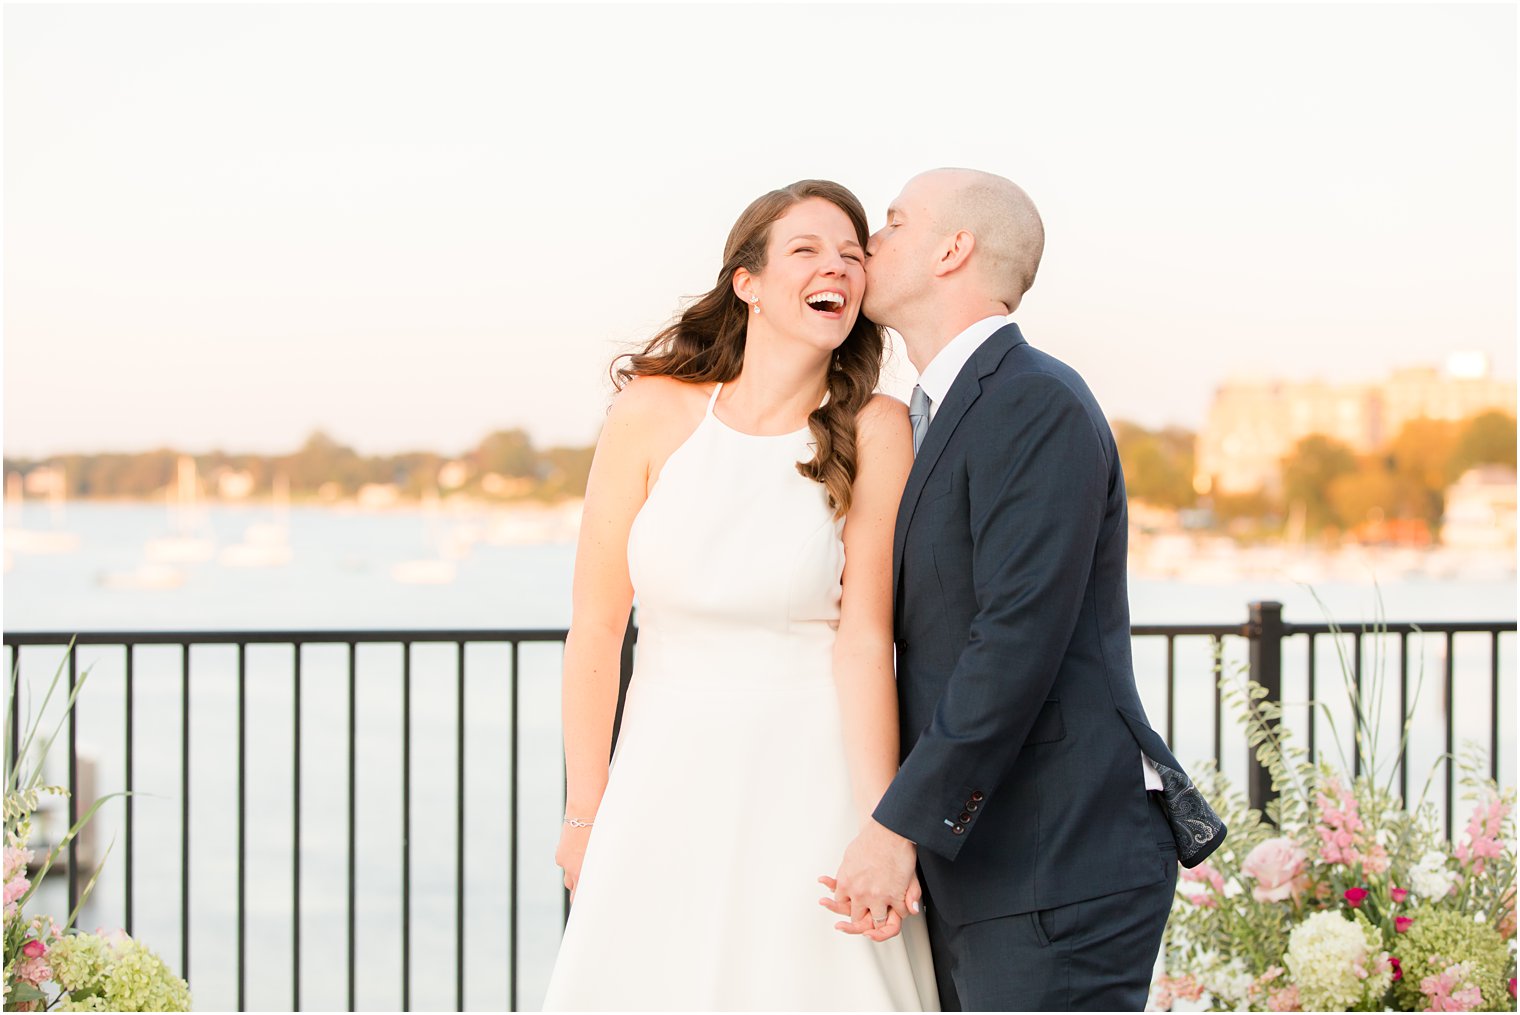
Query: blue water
(339, 577)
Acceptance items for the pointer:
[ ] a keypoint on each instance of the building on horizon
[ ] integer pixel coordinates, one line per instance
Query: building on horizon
(1253, 424)
(1480, 510)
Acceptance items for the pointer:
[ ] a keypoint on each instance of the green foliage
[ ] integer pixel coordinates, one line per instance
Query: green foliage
(124, 975)
(1488, 439)
(506, 453)
(1158, 464)
(1308, 473)
(115, 974)
(1236, 509)
(323, 465)
(1404, 480)
(1373, 493)
(1237, 941)
(566, 471)
(1409, 479)
(1440, 937)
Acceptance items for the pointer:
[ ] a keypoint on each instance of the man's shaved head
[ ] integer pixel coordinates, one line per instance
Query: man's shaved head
(1009, 234)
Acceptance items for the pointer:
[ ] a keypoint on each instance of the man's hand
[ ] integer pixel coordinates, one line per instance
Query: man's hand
(876, 887)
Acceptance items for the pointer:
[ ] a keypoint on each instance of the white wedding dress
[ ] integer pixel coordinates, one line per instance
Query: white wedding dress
(729, 793)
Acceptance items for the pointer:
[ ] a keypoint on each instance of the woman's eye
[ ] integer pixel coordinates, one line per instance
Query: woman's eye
(853, 257)
(803, 250)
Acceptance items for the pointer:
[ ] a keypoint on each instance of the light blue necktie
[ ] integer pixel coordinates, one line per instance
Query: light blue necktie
(918, 416)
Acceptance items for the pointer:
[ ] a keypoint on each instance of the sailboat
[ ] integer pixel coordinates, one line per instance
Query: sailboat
(439, 569)
(37, 541)
(165, 556)
(184, 546)
(265, 544)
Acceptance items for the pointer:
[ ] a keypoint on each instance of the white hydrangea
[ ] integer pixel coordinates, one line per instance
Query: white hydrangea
(1230, 982)
(1431, 879)
(1336, 962)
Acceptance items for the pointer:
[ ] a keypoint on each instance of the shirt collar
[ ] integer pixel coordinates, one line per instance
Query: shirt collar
(946, 364)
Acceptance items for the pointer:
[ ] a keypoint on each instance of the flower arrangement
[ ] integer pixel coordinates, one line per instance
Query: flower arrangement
(1341, 897)
(88, 972)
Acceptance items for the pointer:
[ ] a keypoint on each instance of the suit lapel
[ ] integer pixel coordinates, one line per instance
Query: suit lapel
(962, 394)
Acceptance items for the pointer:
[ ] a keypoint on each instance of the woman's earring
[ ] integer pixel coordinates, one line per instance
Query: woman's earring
(755, 303)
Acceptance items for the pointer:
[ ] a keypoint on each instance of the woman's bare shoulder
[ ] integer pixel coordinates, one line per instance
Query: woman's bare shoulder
(654, 400)
(882, 415)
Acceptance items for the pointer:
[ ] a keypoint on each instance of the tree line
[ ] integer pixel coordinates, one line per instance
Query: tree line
(1335, 488)
(1332, 488)
(505, 465)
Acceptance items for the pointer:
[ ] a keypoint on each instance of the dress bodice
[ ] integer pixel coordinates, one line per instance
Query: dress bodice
(734, 542)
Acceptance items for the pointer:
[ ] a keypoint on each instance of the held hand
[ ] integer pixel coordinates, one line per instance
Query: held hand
(876, 883)
(866, 926)
(569, 854)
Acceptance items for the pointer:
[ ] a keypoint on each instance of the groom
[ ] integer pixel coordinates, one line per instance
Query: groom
(1046, 815)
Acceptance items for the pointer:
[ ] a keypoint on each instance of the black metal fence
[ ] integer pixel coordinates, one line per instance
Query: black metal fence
(1265, 633)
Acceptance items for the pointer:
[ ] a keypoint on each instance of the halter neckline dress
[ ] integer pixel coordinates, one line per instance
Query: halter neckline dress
(729, 793)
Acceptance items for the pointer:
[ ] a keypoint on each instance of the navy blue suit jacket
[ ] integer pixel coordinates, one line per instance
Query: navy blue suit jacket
(1022, 729)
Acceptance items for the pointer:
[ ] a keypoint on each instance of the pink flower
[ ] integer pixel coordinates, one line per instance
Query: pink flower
(1206, 874)
(1511, 986)
(1401, 924)
(1284, 1000)
(1259, 985)
(33, 970)
(1399, 894)
(15, 888)
(1355, 897)
(1276, 865)
(1375, 859)
(1338, 831)
(1484, 829)
(1173, 988)
(16, 861)
(44, 927)
(1397, 967)
(117, 937)
(34, 949)
(1450, 990)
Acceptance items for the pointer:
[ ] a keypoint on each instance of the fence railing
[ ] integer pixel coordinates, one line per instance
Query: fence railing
(1265, 634)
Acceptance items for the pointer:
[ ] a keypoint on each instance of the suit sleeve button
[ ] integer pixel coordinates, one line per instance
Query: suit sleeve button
(965, 816)
(972, 806)
(976, 797)
(957, 829)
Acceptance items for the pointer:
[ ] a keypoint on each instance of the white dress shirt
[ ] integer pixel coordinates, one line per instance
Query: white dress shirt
(936, 380)
(946, 364)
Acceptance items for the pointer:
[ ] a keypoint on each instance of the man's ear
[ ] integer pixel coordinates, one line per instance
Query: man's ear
(744, 285)
(954, 254)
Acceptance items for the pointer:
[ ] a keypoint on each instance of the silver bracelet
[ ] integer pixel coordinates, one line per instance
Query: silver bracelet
(578, 823)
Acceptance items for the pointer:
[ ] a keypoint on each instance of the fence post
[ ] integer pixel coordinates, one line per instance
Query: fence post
(1265, 632)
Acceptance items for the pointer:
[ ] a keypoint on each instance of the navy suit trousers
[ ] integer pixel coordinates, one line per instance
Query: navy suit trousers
(1093, 955)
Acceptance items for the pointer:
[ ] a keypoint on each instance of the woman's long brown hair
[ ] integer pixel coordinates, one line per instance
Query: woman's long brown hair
(705, 343)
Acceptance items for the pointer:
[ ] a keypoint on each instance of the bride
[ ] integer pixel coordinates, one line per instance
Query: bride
(745, 486)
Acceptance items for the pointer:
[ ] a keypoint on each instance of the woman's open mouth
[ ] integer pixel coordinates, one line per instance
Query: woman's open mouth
(828, 303)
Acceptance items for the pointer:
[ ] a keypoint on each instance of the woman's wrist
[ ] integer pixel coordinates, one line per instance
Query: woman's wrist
(582, 807)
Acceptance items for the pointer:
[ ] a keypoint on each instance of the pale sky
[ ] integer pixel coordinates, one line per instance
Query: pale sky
(226, 226)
